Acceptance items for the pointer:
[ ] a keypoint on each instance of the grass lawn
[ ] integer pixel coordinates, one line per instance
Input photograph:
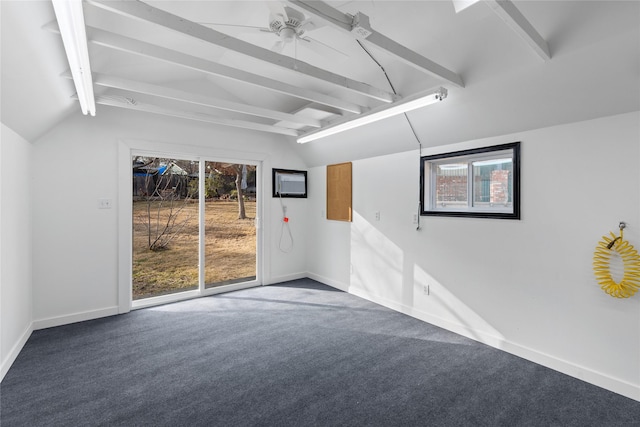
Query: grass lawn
(230, 247)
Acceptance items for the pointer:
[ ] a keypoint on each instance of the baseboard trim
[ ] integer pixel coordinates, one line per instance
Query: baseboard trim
(286, 278)
(74, 318)
(329, 282)
(15, 351)
(588, 375)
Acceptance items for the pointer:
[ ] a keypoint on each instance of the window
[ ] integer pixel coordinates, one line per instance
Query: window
(482, 183)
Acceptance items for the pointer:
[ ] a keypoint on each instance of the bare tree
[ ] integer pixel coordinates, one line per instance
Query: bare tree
(242, 214)
(237, 171)
(166, 194)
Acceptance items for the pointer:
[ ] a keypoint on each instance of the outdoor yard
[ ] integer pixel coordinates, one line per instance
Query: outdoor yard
(230, 246)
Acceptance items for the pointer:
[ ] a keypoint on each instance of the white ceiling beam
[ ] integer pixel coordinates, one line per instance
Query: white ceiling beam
(327, 13)
(191, 98)
(144, 12)
(412, 58)
(510, 14)
(359, 27)
(125, 44)
(132, 104)
(136, 47)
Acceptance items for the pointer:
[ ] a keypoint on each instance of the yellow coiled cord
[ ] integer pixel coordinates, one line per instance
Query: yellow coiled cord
(630, 282)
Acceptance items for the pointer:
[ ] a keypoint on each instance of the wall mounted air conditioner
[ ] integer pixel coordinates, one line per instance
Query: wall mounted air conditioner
(289, 183)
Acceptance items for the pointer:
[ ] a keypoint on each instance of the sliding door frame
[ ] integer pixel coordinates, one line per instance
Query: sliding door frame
(129, 148)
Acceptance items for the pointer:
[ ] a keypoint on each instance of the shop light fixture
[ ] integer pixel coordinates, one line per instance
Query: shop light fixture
(74, 37)
(404, 105)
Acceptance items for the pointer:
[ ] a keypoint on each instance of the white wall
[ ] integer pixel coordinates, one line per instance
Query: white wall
(75, 257)
(15, 246)
(524, 286)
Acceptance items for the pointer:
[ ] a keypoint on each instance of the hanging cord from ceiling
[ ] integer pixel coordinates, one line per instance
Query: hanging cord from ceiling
(393, 89)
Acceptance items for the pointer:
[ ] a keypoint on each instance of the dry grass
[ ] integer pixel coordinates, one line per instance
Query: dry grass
(230, 248)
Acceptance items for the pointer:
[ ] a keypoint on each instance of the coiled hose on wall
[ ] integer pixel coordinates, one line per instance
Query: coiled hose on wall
(606, 248)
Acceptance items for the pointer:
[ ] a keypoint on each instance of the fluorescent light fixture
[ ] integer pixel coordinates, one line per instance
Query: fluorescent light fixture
(74, 37)
(409, 103)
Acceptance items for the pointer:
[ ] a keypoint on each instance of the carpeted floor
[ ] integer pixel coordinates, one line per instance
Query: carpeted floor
(295, 354)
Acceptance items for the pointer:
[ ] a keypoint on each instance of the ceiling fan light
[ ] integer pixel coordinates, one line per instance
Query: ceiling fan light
(287, 34)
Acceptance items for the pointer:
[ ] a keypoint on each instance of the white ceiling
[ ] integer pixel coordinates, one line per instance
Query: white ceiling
(594, 68)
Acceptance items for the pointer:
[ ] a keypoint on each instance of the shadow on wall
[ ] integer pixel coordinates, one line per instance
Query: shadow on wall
(381, 272)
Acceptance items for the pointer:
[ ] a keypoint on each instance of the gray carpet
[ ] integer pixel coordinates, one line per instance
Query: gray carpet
(295, 354)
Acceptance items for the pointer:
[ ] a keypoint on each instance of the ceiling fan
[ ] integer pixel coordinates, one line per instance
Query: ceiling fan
(289, 26)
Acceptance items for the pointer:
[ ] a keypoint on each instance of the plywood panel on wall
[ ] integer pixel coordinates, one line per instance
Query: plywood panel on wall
(339, 192)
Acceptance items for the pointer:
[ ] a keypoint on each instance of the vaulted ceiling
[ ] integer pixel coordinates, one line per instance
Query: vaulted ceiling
(223, 62)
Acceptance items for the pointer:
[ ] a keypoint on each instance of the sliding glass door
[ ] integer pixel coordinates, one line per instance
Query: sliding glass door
(191, 234)
(230, 231)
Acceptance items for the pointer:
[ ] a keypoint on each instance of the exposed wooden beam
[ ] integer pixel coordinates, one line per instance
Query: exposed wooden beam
(139, 10)
(136, 47)
(133, 104)
(359, 27)
(188, 97)
(510, 14)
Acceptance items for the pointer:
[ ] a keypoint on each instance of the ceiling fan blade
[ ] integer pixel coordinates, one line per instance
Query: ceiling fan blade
(324, 49)
(309, 25)
(277, 8)
(278, 46)
(247, 27)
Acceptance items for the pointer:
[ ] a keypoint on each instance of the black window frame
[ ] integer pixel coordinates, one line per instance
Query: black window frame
(425, 194)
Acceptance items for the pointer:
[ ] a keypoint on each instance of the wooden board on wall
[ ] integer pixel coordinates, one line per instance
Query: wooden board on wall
(339, 192)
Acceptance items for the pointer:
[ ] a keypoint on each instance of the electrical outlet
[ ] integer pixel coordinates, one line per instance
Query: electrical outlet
(425, 289)
(377, 215)
(415, 218)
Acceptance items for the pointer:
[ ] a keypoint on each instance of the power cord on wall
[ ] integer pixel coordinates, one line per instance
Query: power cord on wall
(284, 225)
(405, 116)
